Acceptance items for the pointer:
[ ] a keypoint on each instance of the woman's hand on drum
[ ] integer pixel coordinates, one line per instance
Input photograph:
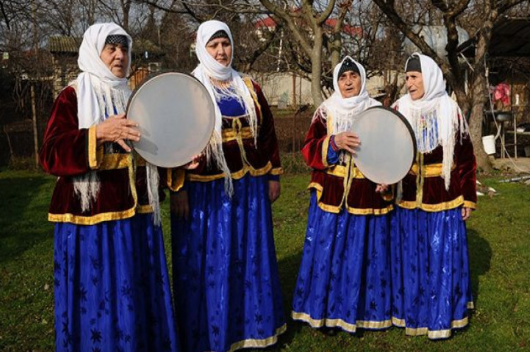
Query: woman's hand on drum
(274, 190)
(117, 129)
(347, 141)
(192, 165)
(179, 204)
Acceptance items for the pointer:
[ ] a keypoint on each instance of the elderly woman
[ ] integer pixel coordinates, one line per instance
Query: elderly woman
(430, 274)
(112, 289)
(344, 277)
(225, 271)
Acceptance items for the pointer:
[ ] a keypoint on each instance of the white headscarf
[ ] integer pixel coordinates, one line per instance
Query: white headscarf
(99, 91)
(101, 94)
(343, 111)
(236, 88)
(435, 117)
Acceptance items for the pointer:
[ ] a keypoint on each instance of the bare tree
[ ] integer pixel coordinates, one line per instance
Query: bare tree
(306, 24)
(451, 13)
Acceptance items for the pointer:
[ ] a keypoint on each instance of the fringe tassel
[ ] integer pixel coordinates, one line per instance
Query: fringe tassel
(152, 191)
(86, 187)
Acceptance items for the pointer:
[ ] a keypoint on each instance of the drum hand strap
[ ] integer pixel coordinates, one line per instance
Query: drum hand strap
(419, 179)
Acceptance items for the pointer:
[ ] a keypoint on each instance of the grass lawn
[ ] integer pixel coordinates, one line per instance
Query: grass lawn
(499, 241)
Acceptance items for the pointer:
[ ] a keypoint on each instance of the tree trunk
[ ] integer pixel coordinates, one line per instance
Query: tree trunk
(316, 68)
(35, 129)
(479, 92)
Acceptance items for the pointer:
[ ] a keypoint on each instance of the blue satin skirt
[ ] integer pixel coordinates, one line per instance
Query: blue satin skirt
(112, 291)
(344, 278)
(226, 283)
(431, 286)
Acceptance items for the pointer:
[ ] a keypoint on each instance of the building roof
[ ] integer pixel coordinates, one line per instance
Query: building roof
(64, 44)
(511, 37)
(70, 45)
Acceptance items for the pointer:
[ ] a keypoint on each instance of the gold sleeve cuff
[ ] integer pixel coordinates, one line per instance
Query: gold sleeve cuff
(471, 205)
(276, 171)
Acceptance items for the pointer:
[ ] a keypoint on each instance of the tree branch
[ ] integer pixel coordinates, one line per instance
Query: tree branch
(4, 14)
(327, 12)
(289, 20)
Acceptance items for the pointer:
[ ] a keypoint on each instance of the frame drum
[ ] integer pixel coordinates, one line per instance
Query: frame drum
(388, 145)
(176, 118)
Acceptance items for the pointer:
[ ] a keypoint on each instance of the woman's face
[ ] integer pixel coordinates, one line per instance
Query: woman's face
(116, 57)
(415, 85)
(221, 50)
(349, 84)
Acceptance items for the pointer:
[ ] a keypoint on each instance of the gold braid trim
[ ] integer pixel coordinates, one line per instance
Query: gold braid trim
(235, 175)
(336, 209)
(455, 203)
(432, 334)
(430, 170)
(250, 86)
(334, 323)
(341, 171)
(419, 179)
(144, 209)
(92, 220)
(231, 134)
(325, 146)
(276, 171)
(370, 211)
(93, 151)
(258, 343)
(237, 127)
(115, 161)
(350, 166)
(132, 178)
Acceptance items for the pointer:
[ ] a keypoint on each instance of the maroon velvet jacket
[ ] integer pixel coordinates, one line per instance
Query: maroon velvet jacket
(427, 171)
(68, 151)
(260, 159)
(433, 196)
(328, 180)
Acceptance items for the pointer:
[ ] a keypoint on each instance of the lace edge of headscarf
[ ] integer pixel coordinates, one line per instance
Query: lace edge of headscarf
(111, 100)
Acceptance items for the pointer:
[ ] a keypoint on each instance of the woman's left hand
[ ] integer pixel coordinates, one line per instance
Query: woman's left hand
(466, 213)
(274, 190)
(381, 188)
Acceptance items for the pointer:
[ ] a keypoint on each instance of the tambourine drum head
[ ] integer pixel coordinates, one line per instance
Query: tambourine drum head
(388, 145)
(176, 118)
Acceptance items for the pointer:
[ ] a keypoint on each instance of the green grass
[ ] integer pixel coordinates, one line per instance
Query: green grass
(499, 243)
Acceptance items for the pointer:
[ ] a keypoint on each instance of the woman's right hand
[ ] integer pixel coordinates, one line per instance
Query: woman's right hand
(179, 204)
(347, 141)
(117, 129)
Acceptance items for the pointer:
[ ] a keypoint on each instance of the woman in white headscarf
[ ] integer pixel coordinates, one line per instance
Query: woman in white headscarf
(344, 277)
(111, 283)
(225, 271)
(431, 280)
